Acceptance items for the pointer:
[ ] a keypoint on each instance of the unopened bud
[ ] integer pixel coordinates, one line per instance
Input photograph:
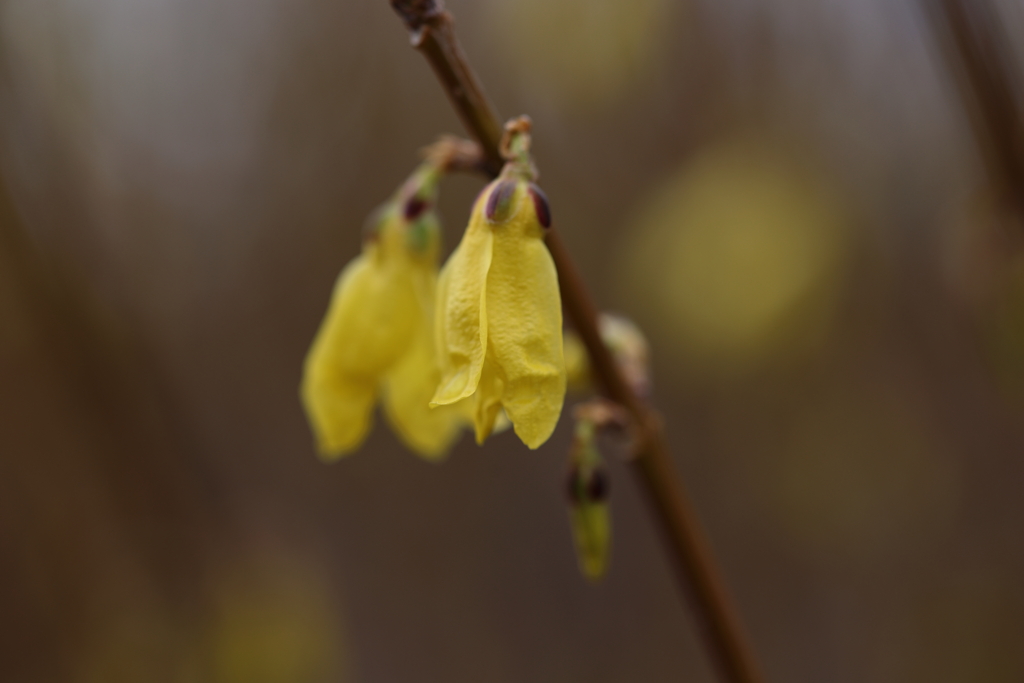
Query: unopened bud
(500, 205)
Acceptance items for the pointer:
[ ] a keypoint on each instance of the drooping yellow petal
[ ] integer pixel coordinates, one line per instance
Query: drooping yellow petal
(487, 403)
(462, 324)
(410, 384)
(368, 326)
(524, 318)
(338, 409)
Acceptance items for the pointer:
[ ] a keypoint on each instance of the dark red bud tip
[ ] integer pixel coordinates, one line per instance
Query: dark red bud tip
(597, 487)
(592, 489)
(540, 204)
(414, 208)
(499, 204)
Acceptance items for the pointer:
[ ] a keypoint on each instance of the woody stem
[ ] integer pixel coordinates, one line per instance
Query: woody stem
(693, 564)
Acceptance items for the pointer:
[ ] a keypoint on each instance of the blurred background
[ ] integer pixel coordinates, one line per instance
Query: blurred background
(812, 209)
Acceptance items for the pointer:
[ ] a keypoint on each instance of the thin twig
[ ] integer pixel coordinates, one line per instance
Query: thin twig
(454, 154)
(694, 567)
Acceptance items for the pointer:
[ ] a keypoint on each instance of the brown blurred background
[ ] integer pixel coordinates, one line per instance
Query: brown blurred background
(795, 199)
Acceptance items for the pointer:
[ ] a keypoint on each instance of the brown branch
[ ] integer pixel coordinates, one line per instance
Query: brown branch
(432, 33)
(980, 54)
(694, 566)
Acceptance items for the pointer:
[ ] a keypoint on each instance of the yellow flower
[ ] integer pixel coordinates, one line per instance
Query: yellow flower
(377, 339)
(499, 315)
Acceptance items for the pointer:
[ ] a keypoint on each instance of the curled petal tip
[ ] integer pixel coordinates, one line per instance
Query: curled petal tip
(452, 391)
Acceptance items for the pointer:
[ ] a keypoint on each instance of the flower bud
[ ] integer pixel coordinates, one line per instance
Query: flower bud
(587, 488)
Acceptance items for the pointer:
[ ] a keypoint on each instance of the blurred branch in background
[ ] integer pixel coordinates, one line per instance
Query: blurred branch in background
(978, 50)
(115, 536)
(59, 486)
(120, 559)
(432, 33)
(103, 510)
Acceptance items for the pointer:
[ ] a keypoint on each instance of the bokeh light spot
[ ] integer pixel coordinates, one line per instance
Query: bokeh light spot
(735, 257)
(584, 52)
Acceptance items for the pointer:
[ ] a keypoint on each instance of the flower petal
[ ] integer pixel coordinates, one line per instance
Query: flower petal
(339, 410)
(524, 319)
(461, 314)
(408, 388)
(368, 326)
(487, 413)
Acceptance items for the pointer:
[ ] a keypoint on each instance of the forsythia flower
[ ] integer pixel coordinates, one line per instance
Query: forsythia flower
(499, 315)
(377, 337)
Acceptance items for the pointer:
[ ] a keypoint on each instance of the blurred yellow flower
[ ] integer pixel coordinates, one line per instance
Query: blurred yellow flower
(628, 345)
(499, 315)
(378, 338)
(737, 260)
(577, 362)
(274, 619)
(583, 52)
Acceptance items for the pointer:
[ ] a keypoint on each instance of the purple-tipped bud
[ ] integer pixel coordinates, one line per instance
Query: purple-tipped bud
(590, 489)
(597, 487)
(540, 205)
(499, 204)
(414, 208)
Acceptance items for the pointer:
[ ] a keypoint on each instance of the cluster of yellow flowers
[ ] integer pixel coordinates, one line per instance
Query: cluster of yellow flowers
(478, 344)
